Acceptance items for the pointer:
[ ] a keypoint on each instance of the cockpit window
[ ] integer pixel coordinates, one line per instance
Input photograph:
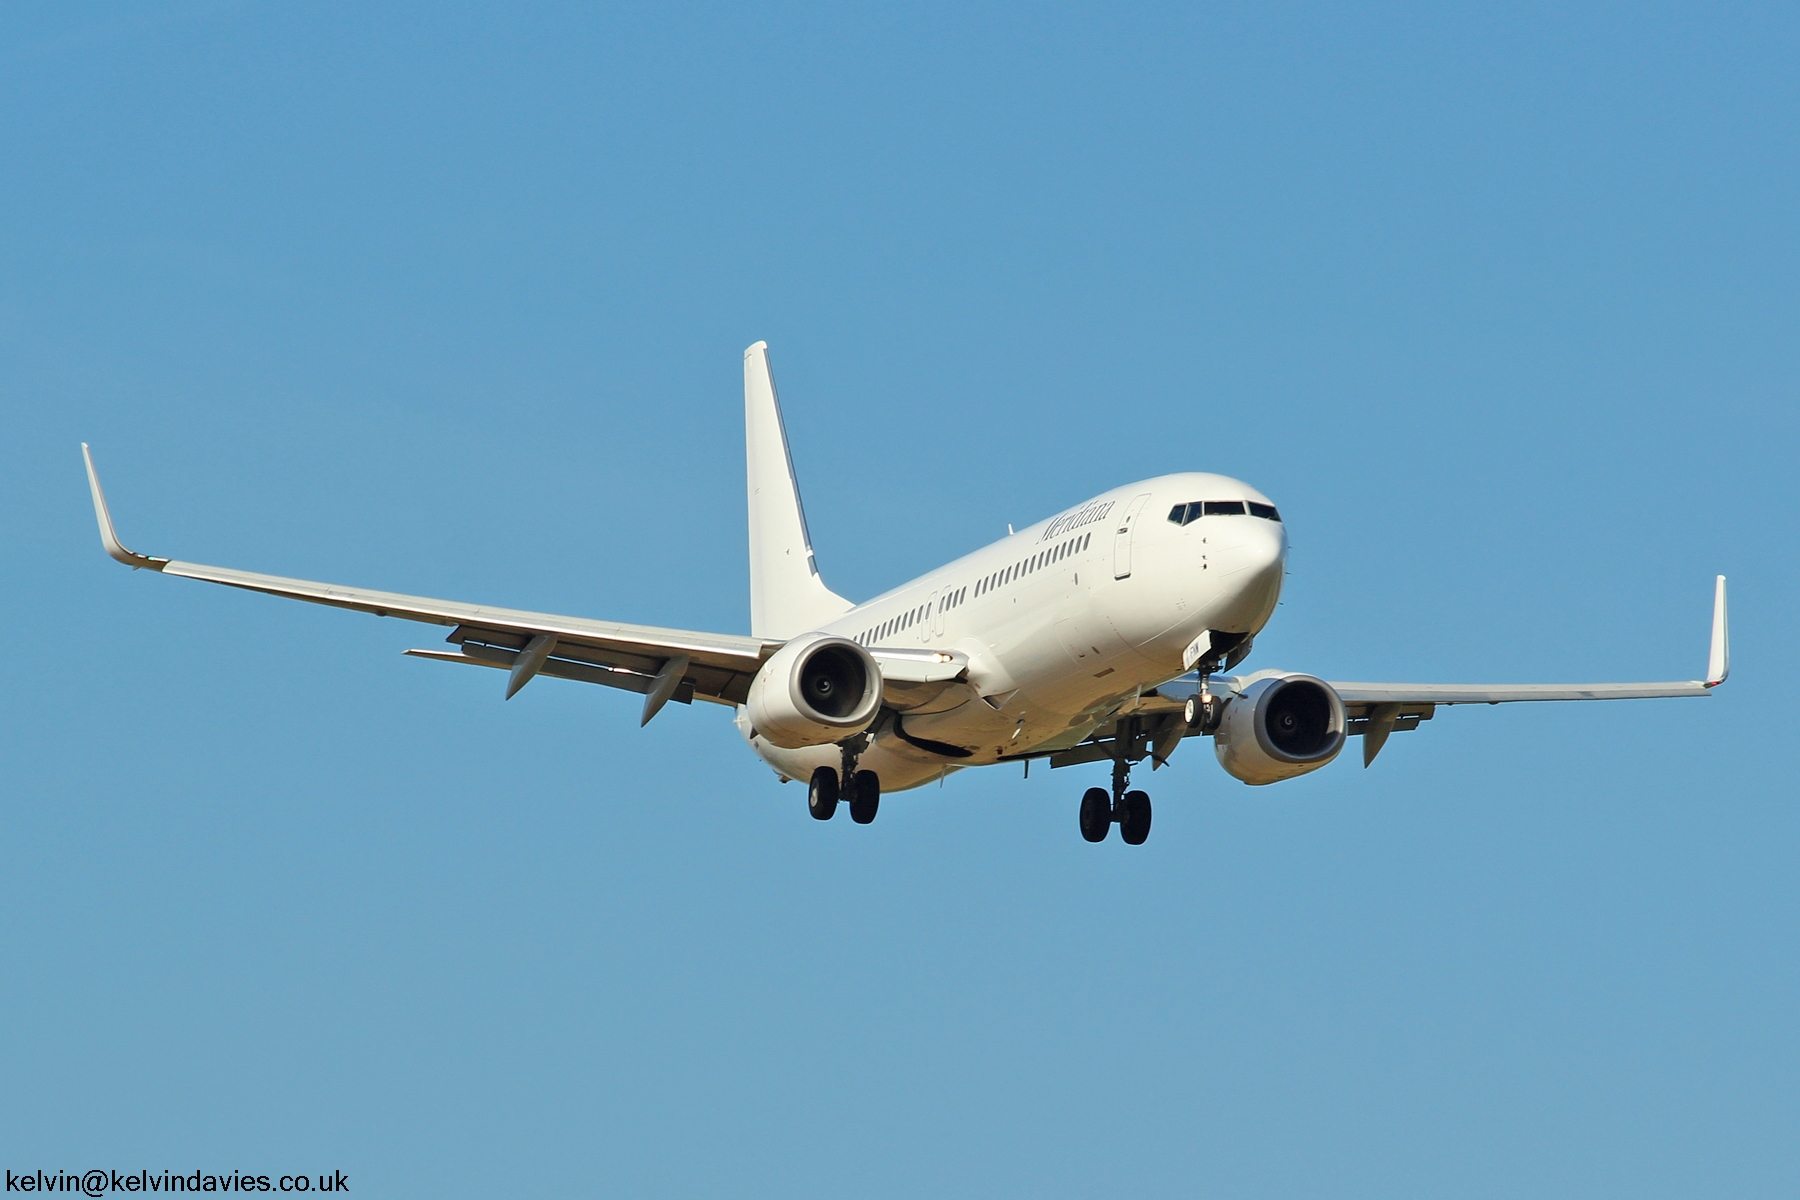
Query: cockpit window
(1182, 514)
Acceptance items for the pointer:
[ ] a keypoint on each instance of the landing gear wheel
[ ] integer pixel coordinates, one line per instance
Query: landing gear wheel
(1134, 818)
(1201, 717)
(822, 794)
(1096, 814)
(866, 798)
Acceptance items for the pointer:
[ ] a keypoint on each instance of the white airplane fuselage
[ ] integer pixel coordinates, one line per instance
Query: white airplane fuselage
(1061, 622)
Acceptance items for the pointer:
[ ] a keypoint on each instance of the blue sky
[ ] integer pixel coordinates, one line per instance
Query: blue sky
(1497, 302)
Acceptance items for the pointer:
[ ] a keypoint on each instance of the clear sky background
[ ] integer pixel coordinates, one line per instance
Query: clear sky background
(1499, 303)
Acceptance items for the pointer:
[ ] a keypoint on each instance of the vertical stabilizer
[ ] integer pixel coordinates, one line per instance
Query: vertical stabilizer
(787, 597)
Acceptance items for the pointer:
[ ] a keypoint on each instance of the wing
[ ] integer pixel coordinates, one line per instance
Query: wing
(1378, 709)
(660, 664)
(1149, 724)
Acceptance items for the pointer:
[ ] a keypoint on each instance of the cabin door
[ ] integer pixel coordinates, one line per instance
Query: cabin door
(1122, 536)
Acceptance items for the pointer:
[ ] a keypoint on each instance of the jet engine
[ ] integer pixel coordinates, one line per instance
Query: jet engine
(1280, 727)
(817, 689)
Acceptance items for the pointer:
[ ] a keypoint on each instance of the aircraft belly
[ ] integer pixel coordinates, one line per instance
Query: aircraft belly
(899, 766)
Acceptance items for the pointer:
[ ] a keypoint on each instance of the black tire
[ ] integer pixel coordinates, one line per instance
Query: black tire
(1134, 821)
(1201, 718)
(1096, 814)
(867, 798)
(822, 794)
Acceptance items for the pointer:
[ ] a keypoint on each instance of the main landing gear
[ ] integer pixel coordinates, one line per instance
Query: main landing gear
(1130, 810)
(863, 795)
(861, 789)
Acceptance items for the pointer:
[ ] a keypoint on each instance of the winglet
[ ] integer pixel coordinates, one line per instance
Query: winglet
(108, 538)
(1718, 663)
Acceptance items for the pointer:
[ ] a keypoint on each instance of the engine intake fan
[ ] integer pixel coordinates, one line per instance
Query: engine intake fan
(1280, 727)
(817, 689)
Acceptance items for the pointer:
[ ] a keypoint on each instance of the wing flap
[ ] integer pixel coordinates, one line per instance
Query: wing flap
(631, 670)
(629, 681)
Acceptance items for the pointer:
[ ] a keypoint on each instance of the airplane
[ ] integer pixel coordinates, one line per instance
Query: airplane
(1097, 635)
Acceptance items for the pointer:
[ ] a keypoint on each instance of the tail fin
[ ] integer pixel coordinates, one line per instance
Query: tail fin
(787, 597)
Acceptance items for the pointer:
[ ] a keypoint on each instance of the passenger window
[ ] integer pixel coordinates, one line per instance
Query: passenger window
(1224, 508)
(1265, 511)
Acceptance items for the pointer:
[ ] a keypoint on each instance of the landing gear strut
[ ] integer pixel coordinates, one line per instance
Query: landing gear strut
(861, 788)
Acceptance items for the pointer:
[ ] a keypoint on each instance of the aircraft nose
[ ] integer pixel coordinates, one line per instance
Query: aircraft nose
(1269, 549)
(1252, 569)
(1254, 546)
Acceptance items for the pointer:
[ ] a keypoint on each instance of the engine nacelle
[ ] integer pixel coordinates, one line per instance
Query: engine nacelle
(1280, 727)
(818, 688)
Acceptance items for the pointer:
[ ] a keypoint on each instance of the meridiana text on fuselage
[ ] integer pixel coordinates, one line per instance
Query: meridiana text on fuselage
(1087, 514)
